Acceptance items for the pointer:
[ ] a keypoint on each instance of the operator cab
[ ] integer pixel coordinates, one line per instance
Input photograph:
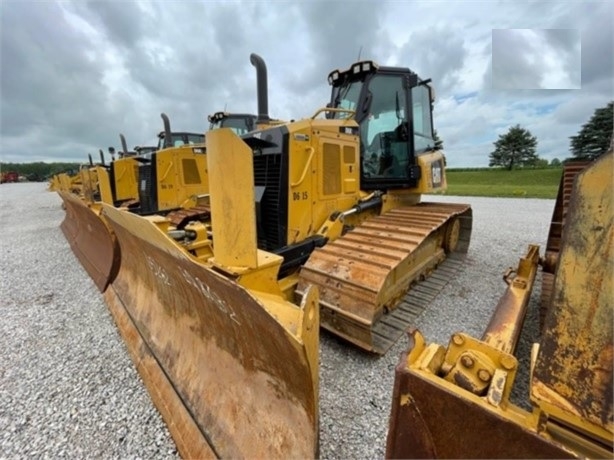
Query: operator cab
(240, 123)
(391, 135)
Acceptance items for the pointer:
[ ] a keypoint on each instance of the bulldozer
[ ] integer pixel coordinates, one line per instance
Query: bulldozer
(339, 199)
(454, 401)
(167, 179)
(316, 222)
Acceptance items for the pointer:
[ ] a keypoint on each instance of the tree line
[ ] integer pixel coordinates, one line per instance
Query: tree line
(39, 171)
(518, 147)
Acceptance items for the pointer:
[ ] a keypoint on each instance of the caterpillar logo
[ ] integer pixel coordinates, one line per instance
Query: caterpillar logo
(436, 173)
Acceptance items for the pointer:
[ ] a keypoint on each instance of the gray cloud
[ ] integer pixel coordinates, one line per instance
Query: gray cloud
(438, 53)
(75, 74)
(513, 65)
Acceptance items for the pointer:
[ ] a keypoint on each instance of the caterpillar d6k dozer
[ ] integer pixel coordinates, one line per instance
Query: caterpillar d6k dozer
(229, 361)
(454, 402)
(340, 202)
(339, 199)
(232, 296)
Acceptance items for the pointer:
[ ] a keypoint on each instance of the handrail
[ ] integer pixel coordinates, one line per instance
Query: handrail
(332, 109)
(302, 178)
(170, 166)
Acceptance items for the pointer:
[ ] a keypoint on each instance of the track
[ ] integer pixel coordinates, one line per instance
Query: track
(366, 273)
(393, 325)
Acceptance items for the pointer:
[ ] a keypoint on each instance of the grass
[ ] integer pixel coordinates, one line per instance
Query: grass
(518, 183)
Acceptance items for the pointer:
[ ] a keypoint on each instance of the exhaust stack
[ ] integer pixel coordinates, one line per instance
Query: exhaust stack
(101, 157)
(263, 96)
(167, 131)
(124, 144)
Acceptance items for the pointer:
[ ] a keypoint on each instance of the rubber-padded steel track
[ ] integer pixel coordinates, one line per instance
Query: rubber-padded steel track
(366, 273)
(393, 325)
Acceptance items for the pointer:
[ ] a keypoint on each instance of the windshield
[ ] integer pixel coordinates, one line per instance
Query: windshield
(238, 124)
(179, 139)
(346, 97)
(383, 133)
(193, 139)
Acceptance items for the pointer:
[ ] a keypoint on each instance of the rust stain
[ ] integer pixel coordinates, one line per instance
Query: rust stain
(206, 331)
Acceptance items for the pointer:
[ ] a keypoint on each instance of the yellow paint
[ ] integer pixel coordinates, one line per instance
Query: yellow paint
(104, 186)
(233, 210)
(126, 179)
(181, 175)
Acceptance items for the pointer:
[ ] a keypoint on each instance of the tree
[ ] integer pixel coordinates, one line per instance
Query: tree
(555, 162)
(438, 141)
(517, 147)
(593, 139)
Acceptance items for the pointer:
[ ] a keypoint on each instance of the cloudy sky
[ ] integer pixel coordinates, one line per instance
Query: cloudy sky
(76, 74)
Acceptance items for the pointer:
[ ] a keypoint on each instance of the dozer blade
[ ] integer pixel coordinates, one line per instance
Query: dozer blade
(430, 419)
(451, 403)
(90, 239)
(573, 374)
(229, 380)
(561, 206)
(454, 402)
(363, 277)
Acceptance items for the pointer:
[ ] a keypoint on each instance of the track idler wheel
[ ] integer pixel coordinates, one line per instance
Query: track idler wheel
(451, 237)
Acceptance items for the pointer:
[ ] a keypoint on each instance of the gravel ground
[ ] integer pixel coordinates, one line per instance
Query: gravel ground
(69, 389)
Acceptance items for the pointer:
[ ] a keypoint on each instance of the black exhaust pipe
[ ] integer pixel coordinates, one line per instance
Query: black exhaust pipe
(101, 157)
(167, 131)
(263, 92)
(90, 156)
(124, 145)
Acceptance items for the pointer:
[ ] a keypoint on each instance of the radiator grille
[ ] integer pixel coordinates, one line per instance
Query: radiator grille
(147, 188)
(332, 169)
(267, 173)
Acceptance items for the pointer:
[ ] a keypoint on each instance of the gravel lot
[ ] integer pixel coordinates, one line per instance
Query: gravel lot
(68, 387)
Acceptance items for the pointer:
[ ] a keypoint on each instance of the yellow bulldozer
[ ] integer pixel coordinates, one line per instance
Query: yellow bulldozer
(154, 182)
(318, 215)
(454, 401)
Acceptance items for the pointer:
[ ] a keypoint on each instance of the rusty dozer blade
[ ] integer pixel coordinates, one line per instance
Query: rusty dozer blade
(450, 403)
(574, 370)
(559, 215)
(363, 277)
(232, 370)
(454, 402)
(90, 239)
